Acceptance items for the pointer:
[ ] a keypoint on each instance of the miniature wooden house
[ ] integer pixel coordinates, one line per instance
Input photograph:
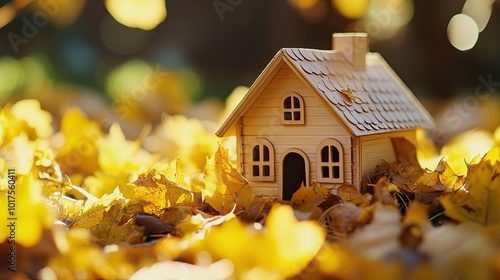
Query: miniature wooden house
(324, 116)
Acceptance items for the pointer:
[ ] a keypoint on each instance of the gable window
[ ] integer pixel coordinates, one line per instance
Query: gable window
(262, 163)
(330, 162)
(292, 109)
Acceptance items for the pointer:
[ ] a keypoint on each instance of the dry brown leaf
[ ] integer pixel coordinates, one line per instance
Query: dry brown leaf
(405, 151)
(306, 198)
(383, 192)
(151, 224)
(350, 193)
(173, 215)
(340, 220)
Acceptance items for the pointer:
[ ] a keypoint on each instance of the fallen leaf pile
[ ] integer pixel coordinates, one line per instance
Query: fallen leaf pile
(91, 204)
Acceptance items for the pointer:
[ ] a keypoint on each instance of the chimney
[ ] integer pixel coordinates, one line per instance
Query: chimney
(354, 46)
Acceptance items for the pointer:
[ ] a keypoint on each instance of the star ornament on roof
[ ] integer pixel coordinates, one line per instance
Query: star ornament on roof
(349, 93)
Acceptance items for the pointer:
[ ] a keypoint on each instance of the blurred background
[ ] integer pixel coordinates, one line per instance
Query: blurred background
(129, 61)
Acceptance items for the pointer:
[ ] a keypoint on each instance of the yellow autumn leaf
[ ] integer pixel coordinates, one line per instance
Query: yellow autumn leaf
(496, 136)
(187, 139)
(79, 257)
(280, 251)
(100, 183)
(116, 154)
(198, 224)
(162, 186)
(294, 243)
(24, 117)
(448, 177)
(29, 111)
(107, 219)
(225, 188)
(120, 162)
(10, 127)
(79, 151)
(20, 154)
(480, 202)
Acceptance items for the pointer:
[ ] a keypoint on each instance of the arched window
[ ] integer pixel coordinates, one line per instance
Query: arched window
(292, 109)
(262, 161)
(330, 162)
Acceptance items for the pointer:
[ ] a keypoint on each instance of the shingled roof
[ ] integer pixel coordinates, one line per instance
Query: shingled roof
(380, 102)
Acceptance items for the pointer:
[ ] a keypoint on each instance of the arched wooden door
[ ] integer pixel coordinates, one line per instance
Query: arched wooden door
(294, 172)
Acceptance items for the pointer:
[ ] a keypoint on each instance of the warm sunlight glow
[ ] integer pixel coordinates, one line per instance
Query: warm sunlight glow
(464, 147)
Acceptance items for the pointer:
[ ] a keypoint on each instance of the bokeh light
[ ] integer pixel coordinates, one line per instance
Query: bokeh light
(385, 18)
(311, 11)
(466, 146)
(352, 9)
(7, 14)
(63, 13)
(144, 14)
(121, 39)
(10, 74)
(479, 11)
(462, 32)
(125, 77)
(13, 76)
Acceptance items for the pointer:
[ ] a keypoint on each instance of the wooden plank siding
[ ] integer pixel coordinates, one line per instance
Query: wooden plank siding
(376, 148)
(262, 120)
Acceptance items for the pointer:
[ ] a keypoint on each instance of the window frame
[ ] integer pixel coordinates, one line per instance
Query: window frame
(293, 109)
(330, 164)
(261, 163)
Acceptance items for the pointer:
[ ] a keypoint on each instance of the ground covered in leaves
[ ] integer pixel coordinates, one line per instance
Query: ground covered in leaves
(90, 204)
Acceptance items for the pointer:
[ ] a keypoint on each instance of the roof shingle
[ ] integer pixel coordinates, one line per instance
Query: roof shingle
(384, 104)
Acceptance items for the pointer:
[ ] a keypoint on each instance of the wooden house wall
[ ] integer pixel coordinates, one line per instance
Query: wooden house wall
(262, 120)
(378, 147)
